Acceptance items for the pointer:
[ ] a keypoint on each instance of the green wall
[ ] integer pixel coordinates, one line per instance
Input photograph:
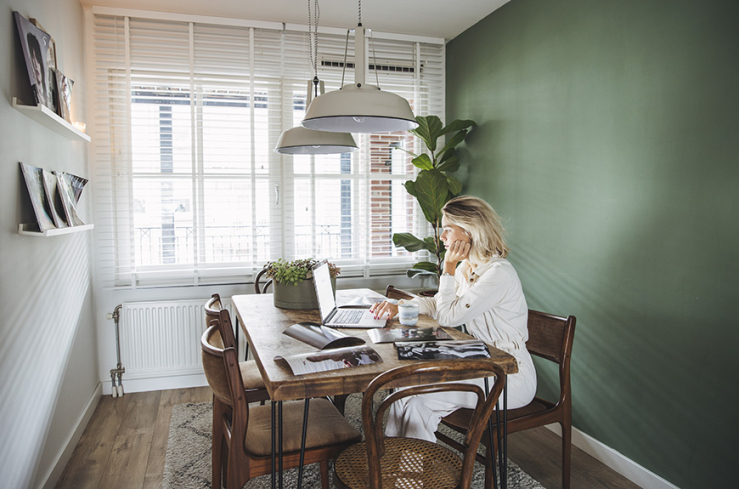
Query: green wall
(608, 139)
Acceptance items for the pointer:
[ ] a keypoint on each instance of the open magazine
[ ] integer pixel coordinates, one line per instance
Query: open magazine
(432, 350)
(321, 337)
(391, 335)
(325, 360)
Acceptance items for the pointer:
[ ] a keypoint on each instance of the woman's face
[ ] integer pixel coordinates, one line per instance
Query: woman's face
(451, 233)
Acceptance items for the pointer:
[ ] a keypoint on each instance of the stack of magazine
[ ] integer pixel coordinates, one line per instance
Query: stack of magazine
(337, 350)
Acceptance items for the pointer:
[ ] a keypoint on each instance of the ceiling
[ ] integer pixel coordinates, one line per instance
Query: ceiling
(434, 18)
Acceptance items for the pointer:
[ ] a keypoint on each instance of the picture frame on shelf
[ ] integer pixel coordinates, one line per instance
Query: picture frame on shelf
(33, 177)
(36, 45)
(64, 91)
(70, 189)
(52, 68)
(55, 199)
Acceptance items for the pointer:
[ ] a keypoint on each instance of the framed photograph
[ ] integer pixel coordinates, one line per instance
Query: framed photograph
(64, 91)
(36, 45)
(54, 199)
(35, 185)
(70, 189)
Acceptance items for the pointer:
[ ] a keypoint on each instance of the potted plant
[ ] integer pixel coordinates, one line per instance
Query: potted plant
(293, 282)
(433, 187)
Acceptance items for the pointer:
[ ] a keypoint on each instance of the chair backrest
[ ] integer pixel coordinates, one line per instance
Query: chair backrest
(222, 371)
(215, 370)
(393, 293)
(261, 289)
(483, 409)
(550, 337)
(213, 309)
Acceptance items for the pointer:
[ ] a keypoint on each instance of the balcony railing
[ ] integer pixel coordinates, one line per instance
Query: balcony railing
(229, 244)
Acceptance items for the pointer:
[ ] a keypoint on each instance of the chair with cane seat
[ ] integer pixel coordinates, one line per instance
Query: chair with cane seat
(242, 447)
(253, 384)
(390, 462)
(550, 338)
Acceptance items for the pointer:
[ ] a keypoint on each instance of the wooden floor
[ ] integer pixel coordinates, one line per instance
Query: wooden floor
(125, 444)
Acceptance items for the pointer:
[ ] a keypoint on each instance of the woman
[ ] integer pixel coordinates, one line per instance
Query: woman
(484, 293)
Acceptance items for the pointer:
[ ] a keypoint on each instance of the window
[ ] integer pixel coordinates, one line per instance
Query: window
(188, 187)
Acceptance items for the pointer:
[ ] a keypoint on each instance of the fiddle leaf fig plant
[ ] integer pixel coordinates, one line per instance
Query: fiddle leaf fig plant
(433, 187)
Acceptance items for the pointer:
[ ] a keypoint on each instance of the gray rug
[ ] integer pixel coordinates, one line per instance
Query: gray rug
(188, 462)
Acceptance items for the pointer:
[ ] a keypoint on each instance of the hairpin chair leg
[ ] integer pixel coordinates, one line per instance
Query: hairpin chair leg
(504, 447)
(302, 444)
(274, 427)
(279, 442)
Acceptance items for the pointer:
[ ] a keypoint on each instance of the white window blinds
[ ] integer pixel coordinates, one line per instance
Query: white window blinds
(188, 187)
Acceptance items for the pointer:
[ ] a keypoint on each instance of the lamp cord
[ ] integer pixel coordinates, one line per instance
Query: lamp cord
(313, 41)
(346, 48)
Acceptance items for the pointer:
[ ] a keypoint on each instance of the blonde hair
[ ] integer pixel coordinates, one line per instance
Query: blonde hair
(478, 219)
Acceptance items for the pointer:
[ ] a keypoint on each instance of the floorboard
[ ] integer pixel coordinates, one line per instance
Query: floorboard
(125, 444)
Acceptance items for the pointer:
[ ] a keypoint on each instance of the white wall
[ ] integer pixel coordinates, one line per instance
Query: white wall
(45, 283)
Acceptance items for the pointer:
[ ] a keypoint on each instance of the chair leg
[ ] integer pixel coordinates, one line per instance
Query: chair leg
(566, 454)
(217, 446)
(324, 474)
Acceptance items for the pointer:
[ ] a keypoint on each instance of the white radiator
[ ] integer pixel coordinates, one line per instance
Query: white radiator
(162, 338)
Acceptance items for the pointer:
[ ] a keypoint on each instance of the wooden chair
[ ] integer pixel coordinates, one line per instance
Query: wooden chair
(242, 447)
(254, 387)
(550, 337)
(393, 293)
(381, 462)
(261, 289)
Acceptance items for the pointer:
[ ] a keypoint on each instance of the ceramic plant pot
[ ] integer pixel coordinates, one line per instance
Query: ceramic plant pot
(300, 296)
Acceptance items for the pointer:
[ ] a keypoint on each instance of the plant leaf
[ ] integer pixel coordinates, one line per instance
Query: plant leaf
(451, 164)
(411, 243)
(429, 129)
(454, 141)
(457, 125)
(415, 272)
(431, 191)
(426, 265)
(410, 186)
(455, 186)
(423, 161)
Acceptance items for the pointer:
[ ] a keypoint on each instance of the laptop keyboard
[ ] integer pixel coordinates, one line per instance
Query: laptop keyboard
(347, 316)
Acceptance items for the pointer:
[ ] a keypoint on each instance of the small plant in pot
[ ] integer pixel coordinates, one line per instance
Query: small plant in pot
(434, 186)
(293, 282)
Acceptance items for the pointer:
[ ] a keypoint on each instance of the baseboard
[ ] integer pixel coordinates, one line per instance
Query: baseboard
(57, 468)
(158, 383)
(625, 466)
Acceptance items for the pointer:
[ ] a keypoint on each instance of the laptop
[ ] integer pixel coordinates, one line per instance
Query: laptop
(332, 316)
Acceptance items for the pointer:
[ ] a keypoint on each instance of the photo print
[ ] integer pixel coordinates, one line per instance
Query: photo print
(36, 46)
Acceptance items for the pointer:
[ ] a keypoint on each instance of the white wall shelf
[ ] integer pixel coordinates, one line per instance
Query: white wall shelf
(44, 116)
(32, 230)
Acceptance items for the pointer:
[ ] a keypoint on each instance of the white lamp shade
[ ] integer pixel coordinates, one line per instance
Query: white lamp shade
(359, 109)
(302, 141)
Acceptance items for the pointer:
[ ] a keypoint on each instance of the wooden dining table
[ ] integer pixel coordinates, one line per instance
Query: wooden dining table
(263, 324)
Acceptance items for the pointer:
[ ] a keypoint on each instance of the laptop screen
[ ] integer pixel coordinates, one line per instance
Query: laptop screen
(324, 291)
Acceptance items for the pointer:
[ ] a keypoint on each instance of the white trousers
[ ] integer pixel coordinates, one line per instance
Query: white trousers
(419, 416)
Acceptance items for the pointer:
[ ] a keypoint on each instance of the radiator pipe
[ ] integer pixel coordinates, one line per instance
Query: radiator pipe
(119, 370)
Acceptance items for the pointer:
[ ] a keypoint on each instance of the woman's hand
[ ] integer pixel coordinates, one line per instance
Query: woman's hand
(380, 308)
(458, 251)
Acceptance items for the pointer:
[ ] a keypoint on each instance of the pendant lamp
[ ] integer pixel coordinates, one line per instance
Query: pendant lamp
(359, 107)
(301, 140)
